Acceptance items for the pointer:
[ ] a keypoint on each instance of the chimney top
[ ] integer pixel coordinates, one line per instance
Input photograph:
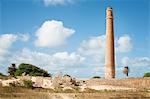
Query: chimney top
(109, 8)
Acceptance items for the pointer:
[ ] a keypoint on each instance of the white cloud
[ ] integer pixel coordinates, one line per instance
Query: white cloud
(56, 2)
(125, 61)
(96, 45)
(27, 56)
(23, 37)
(91, 53)
(93, 50)
(141, 61)
(6, 41)
(93, 46)
(52, 34)
(57, 61)
(64, 58)
(138, 61)
(98, 69)
(124, 44)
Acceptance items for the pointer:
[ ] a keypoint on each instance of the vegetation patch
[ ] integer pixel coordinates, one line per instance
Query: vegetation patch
(28, 83)
(147, 74)
(96, 77)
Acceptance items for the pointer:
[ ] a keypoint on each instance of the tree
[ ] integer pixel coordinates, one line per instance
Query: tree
(31, 70)
(12, 69)
(126, 70)
(147, 74)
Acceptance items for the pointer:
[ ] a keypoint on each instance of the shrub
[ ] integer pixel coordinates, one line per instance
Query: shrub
(96, 77)
(2, 75)
(58, 89)
(147, 74)
(76, 88)
(28, 83)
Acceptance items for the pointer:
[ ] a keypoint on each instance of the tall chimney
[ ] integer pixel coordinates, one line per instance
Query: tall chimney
(110, 52)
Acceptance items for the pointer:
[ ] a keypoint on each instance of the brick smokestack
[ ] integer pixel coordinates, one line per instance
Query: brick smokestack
(110, 52)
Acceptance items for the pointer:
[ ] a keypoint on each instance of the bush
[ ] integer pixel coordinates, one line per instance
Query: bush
(28, 83)
(96, 77)
(2, 75)
(147, 74)
(58, 89)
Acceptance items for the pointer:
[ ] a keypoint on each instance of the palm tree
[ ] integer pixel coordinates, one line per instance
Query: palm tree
(126, 70)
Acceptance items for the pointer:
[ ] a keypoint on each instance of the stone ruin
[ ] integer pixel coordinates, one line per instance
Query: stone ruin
(59, 81)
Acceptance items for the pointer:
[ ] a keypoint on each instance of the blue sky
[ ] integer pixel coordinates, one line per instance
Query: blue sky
(68, 36)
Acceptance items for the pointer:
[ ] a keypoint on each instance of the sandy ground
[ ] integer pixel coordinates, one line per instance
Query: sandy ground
(61, 96)
(109, 87)
(101, 95)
